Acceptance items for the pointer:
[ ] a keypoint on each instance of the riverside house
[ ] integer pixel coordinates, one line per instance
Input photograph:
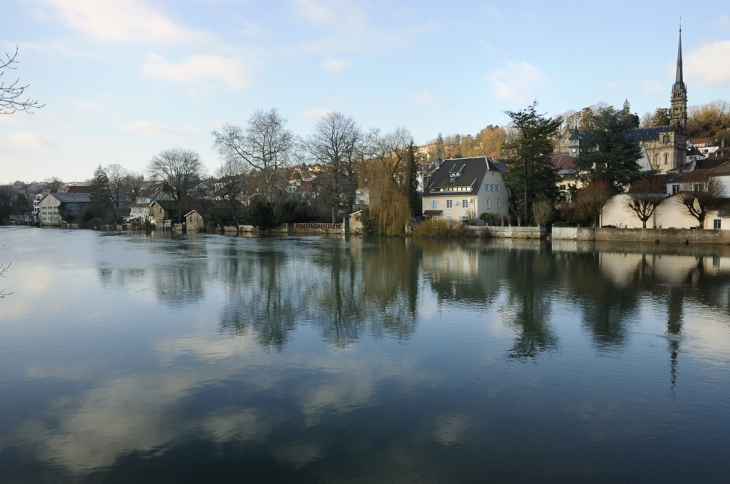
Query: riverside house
(464, 188)
(54, 205)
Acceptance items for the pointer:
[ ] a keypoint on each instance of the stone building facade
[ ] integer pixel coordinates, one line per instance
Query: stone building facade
(665, 147)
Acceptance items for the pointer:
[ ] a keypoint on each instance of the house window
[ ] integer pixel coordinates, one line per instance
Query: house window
(434, 204)
(449, 204)
(499, 203)
(465, 203)
(489, 203)
(665, 158)
(718, 224)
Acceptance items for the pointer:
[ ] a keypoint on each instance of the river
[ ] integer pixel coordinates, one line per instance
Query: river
(204, 358)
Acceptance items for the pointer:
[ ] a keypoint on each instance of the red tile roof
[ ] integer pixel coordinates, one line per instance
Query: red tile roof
(563, 162)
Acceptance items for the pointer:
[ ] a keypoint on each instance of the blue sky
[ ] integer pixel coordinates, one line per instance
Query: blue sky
(125, 79)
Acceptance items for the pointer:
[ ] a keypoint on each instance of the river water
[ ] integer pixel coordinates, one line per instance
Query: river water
(203, 358)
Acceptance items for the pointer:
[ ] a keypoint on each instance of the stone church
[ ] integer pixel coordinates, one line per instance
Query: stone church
(665, 147)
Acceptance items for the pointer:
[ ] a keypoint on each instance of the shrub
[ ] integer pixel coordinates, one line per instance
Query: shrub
(488, 218)
(439, 228)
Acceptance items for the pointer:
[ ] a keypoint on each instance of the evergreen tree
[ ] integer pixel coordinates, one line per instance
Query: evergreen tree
(101, 196)
(414, 200)
(531, 172)
(610, 154)
(440, 152)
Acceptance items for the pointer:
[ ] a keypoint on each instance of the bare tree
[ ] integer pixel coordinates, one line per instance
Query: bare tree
(645, 196)
(265, 144)
(180, 169)
(133, 185)
(11, 94)
(386, 177)
(591, 199)
(334, 144)
(117, 177)
(232, 178)
(542, 211)
(698, 198)
(54, 184)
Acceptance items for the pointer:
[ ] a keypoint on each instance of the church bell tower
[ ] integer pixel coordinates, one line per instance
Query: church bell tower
(678, 110)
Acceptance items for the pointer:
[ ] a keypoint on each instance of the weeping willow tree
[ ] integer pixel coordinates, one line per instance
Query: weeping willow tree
(385, 175)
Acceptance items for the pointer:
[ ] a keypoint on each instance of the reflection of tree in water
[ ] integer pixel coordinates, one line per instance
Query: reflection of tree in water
(343, 288)
(527, 308)
(181, 283)
(263, 295)
(606, 305)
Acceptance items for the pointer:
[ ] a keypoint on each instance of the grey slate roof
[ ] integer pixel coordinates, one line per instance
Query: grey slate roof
(647, 134)
(460, 175)
(71, 197)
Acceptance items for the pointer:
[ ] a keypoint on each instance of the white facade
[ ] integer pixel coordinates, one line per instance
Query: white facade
(465, 200)
(670, 214)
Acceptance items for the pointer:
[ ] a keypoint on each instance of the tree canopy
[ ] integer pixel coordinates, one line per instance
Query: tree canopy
(531, 174)
(264, 143)
(335, 144)
(609, 154)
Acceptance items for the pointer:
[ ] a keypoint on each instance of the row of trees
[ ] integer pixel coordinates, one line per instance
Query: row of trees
(609, 159)
(382, 164)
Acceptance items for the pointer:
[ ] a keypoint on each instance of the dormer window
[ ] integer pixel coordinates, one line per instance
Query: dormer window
(454, 173)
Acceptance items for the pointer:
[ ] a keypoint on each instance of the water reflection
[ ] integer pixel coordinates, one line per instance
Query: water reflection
(322, 360)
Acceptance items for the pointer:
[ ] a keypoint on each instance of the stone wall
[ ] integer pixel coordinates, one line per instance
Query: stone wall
(573, 233)
(507, 232)
(679, 236)
(316, 228)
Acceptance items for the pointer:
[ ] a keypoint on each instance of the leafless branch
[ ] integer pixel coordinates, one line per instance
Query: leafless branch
(11, 94)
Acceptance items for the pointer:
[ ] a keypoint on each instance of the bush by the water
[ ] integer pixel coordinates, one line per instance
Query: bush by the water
(439, 228)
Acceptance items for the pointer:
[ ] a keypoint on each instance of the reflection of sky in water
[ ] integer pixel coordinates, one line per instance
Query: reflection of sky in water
(134, 357)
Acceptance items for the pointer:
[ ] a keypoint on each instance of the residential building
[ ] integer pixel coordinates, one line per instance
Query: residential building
(55, 206)
(464, 188)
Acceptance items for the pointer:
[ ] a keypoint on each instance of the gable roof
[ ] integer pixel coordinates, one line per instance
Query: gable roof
(79, 189)
(696, 176)
(722, 170)
(460, 175)
(71, 197)
(564, 162)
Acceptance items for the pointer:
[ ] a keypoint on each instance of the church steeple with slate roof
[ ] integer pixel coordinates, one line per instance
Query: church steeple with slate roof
(678, 113)
(678, 110)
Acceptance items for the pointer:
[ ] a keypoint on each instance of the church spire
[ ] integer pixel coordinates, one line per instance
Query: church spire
(679, 82)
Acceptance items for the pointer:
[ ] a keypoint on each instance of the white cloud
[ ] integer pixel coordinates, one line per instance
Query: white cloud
(315, 113)
(723, 21)
(517, 82)
(652, 87)
(230, 71)
(347, 27)
(159, 129)
(332, 14)
(84, 103)
(613, 85)
(26, 139)
(707, 65)
(123, 21)
(336, 65)
(424, 98)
